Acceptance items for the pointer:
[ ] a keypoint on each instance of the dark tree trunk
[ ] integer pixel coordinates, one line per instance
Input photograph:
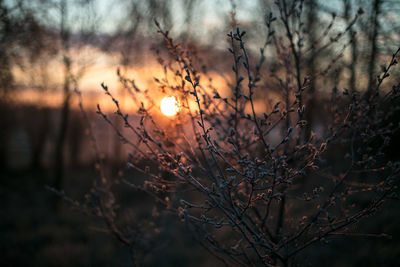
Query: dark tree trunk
(354, 48)
(60, 144)
(376, 10)
(64, 118)
(311, 23)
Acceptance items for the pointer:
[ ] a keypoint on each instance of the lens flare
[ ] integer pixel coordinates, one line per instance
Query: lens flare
(169, 106)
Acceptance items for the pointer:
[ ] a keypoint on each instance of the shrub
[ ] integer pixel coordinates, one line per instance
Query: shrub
(258, 188)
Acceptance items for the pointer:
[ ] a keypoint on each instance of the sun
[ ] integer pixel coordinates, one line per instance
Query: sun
(169, 106)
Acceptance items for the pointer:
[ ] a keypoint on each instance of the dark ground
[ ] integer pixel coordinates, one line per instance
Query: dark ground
(34, 233)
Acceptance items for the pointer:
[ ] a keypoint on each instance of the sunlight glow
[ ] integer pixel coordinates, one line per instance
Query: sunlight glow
(169, 106)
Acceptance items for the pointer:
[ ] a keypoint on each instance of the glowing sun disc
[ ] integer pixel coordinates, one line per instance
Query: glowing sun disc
(169, 106)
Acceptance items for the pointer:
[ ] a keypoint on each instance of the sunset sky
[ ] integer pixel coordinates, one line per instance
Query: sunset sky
(208, 16)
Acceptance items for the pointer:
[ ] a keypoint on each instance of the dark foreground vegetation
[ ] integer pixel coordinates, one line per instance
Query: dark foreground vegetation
(283, 151)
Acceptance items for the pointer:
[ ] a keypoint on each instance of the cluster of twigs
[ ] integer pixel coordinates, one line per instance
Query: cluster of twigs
(257, 188)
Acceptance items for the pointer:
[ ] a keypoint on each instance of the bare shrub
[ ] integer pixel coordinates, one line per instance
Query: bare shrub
(259, 187)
